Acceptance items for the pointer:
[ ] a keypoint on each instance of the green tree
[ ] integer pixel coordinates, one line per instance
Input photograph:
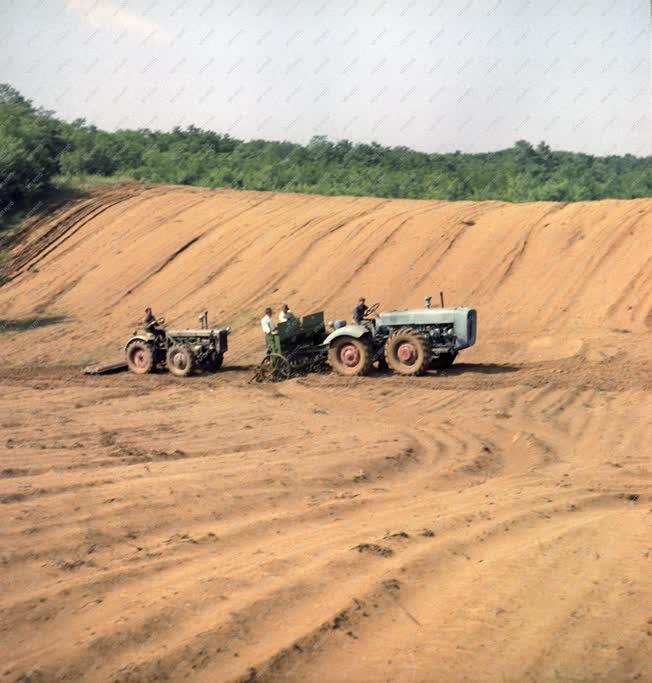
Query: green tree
(30, 145)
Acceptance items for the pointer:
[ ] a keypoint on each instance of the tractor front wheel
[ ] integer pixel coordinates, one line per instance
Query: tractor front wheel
(349, 356)
(140, 357)
(407, 352)
(180, 360)
(214, 362)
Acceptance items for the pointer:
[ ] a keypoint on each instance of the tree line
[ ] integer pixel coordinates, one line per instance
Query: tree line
(36, 148)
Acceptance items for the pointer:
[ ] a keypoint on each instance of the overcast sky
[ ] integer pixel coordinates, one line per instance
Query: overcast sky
(435, 75)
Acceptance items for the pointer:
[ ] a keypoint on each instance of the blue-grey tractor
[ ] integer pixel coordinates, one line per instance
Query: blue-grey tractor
(408, 342)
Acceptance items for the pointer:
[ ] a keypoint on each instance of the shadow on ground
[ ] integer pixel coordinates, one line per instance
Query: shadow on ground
(31, 323)
(207, 373)
(236, 368)
(480, 368)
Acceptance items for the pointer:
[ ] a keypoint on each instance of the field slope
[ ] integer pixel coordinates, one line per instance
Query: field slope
(550, 272)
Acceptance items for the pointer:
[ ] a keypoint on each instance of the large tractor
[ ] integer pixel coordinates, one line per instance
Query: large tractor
(408, 342)
(181, 351)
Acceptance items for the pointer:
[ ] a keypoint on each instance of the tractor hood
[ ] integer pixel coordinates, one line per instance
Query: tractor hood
(422, 316)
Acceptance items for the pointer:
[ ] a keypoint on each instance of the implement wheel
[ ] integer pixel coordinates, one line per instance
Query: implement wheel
(180, 360)
(349, 356)
(407, 352)
(140, 357)
(274, 368)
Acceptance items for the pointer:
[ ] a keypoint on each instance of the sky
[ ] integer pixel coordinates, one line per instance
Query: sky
(433, 75)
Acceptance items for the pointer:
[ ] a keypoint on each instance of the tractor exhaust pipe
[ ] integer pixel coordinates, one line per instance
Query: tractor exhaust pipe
(203, 320)
(441, 298)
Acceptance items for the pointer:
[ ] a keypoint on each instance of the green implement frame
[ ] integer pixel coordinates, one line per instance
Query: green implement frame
(295, 349)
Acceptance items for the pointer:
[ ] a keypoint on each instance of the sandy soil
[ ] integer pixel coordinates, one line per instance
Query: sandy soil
(492, 522)
(546, 278)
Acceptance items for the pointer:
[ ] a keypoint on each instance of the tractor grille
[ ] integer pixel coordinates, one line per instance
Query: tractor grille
(471, 326)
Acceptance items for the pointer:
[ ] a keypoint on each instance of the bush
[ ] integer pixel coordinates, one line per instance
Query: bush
(30, 145)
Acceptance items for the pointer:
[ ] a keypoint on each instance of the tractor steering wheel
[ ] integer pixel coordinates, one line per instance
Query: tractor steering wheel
(372, 310)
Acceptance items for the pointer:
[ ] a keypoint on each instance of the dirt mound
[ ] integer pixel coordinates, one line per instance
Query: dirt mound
(487, 523)
(546, 278)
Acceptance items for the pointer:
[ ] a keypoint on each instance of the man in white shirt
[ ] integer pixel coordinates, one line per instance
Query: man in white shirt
(267, 323)
(285, 314)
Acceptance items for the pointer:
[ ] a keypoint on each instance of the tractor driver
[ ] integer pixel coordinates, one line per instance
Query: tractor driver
(267, 323)
(152, 324)
(359, 311)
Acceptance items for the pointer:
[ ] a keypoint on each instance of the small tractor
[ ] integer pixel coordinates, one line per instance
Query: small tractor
(181, 351)
(408, 342)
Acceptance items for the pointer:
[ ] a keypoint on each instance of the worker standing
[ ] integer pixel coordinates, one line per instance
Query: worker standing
(286, 314)
(266, 322)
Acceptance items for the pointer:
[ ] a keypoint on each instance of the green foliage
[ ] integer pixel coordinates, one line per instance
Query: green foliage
(31, 323)
(4, 259)
(73, 186)
(34, 147)
(30, 144)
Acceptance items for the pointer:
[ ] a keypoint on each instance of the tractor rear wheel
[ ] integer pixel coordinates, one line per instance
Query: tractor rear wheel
(180, 360)
(445, 360)
(140, 357)
(350, 356)
(407, 352)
